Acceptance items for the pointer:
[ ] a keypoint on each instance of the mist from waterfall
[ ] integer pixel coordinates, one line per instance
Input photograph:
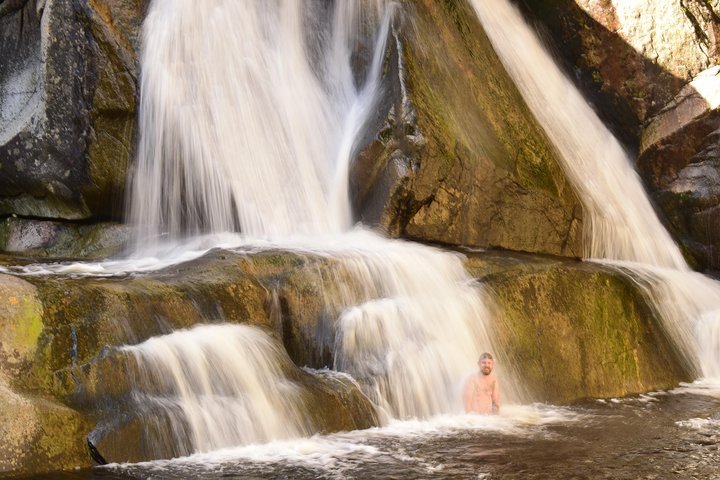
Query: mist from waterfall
(621, 226)
(250, 111)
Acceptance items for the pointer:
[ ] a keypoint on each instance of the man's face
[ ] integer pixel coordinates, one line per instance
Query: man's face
(486, 365)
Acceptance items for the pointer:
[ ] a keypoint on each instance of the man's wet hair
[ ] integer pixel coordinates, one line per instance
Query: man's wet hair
(486, 355)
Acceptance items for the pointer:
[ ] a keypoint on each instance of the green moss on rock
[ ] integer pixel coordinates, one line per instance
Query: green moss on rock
(467, 164)
(21, 324)
(573, 330)
(40, 435)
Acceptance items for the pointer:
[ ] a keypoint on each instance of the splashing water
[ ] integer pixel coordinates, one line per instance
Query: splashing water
(407, 323)
(621, 226)
(411, 328)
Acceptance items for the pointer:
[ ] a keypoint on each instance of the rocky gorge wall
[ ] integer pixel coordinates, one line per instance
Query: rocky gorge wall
(432, 167)
(460, 159)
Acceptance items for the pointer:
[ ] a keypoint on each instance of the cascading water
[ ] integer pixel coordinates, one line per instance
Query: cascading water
(620, 225)
(216, 386)
(250, 111)
(412, 328)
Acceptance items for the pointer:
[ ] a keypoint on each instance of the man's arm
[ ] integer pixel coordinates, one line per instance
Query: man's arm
(496, 398)
(467, 394)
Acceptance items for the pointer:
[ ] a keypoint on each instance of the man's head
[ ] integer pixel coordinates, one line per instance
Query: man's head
(486, 363)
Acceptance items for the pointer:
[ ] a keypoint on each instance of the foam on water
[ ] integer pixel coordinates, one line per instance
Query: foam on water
(330, 453)
(710, 424)
(706, 387)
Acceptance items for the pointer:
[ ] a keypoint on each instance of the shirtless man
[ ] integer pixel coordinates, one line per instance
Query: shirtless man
(482, 392)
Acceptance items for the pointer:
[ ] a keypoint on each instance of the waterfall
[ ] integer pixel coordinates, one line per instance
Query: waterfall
(411, 329)
(215, 386)
(621, 226)
(250, 112)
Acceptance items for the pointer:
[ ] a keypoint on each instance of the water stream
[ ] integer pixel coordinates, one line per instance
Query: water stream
(621, 227)
(211, 384)
(248, 115)
(660, 435)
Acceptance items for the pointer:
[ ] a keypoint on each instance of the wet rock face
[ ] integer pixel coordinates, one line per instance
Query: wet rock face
(571, 330)
(45, 238)
(631, 58)
(457, 157)
(575, 330)
(680, 161)
(68, 96)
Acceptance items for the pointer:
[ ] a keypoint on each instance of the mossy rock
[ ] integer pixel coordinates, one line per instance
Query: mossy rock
(568, 330)
(21, 324)
(40, 435)
(573, 330)
(460, 159)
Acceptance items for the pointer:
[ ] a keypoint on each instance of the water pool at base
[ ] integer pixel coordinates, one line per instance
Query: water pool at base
(663, 435)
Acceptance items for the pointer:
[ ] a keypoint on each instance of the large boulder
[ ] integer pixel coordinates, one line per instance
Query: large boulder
(68, 99)
(55, 239)
(457, 157)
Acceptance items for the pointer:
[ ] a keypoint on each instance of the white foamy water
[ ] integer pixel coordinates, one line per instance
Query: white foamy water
(408, 321)
(333, 453)
(249, 112)
(410, 324)
(704, 386)
(620, 224)
(217, 386)
(162, 255)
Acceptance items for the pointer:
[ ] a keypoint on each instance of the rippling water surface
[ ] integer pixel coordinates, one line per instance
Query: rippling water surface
(656, 436)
